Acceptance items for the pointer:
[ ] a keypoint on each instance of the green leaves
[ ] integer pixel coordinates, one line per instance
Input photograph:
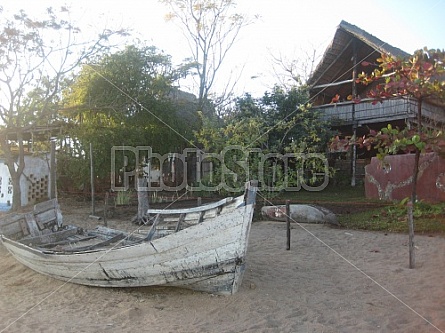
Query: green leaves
(391, 140)
(129, 98)
(278, 123)
(417, 76)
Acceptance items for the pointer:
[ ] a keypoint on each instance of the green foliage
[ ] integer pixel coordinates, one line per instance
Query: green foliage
(391, 140)
(261, 132)
(73, 172)
(393, 218)
(128, 98)
(123, 197)
(418, 76)
(420, 208)
(37, 55)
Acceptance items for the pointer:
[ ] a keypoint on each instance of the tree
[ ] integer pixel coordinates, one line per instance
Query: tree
(129, 98)
(276, 124)
(36, 57)
(294, 70)
(419, 77)
(211, 30)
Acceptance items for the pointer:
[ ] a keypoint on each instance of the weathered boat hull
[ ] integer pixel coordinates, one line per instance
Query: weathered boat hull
(208, 256)
(188, 258)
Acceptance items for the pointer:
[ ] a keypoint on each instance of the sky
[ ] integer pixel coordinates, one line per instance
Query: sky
(290, 29)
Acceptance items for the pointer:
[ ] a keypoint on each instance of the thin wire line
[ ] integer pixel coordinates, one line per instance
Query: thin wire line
(143, 107)
(349, 262)
(118, 243)
(82, 270)
(187, 140)
(313, 97)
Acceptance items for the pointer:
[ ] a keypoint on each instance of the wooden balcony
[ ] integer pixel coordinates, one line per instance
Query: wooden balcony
(363, 113)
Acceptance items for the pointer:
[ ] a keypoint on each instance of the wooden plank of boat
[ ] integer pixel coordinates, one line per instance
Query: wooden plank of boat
(197, 209)
(32, 225)
(48, 238)
(98, 245)
(45, 216)
(207, 256)
(152, 231)
(194, 214)
(66, 241)
(180, 220)
(162, 261)
(14, 226)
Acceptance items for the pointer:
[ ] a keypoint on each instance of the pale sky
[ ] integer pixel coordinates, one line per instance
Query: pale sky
(286, 28)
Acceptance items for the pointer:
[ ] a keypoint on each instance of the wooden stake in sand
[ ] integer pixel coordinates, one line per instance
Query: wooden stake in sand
(411, 234)
(93, 207)
(288, 223)
(106, 209)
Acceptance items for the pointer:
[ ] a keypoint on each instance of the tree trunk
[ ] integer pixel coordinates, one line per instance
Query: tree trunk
(16, 192)
(411, 247)
(415, 174)
(411, 235)
(417, 157)
(143, 203)
(414, 188)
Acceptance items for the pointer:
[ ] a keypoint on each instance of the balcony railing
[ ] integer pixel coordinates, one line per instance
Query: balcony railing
(365, 112)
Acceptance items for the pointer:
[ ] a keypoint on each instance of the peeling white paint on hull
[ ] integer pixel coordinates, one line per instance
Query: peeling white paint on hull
(206, 256)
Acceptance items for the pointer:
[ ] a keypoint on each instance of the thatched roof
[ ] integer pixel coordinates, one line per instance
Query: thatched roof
(336, 64)
(370, 40)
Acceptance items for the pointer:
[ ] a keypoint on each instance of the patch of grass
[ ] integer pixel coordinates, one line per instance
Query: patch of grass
(428, 219)
(355, 211)
(331, 193)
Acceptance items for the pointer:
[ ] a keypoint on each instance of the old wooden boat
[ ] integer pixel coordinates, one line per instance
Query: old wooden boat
(201, 248)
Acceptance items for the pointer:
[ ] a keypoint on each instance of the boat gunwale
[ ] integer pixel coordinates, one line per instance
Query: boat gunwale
(235, 222)
(42, 251)
(198, 209)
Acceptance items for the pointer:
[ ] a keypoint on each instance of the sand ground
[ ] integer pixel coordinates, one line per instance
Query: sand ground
(331, 280)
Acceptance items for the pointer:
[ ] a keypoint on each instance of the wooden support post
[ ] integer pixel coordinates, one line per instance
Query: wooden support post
(180, 220)
(199, 203)
(411, 234)
(52, 171)
(152, 231)
(354, 121)
(288, 224)
(354, 153)
(93, 208)
(106, 208)
(201, 216)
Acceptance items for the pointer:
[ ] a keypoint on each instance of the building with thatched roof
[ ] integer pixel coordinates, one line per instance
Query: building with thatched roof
(350, 47)
(334, 78)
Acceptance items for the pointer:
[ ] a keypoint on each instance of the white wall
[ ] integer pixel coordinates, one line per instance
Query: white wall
(34, 183)
(5, 185)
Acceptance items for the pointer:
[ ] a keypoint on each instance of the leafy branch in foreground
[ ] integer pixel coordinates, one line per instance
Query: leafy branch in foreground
(418, 77)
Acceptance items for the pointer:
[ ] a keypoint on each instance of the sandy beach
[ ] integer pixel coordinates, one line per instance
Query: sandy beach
(331, 280)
